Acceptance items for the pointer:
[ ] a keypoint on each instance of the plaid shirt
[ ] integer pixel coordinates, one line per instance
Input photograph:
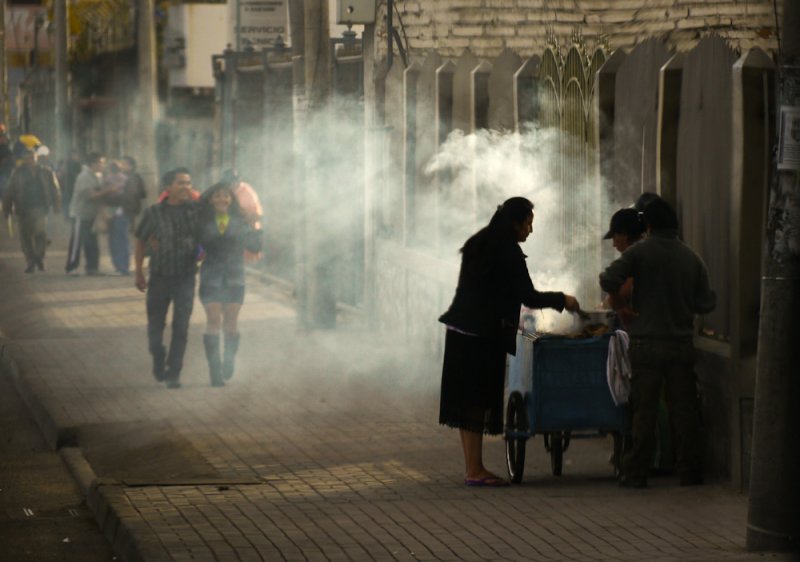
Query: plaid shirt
(173, 228)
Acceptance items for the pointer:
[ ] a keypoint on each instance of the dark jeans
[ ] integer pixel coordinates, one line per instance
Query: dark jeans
(33, 235)
(671, 362)
(83, 238)
(118, 243)
(161, 291)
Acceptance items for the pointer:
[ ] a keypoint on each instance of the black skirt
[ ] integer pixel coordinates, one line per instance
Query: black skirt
(473, 379)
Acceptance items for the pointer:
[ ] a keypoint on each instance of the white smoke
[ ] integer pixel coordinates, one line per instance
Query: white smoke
(489, 167)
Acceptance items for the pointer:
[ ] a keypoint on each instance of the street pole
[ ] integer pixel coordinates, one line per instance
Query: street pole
(320, 244)
(238, 36)
(62, 112)
(3, 68)
(773, 518)
(144, 121)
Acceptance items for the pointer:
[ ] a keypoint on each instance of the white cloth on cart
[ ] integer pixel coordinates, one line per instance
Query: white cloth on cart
(619, 367)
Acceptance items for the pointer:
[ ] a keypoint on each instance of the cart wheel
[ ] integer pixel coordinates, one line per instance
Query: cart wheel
(557, 440)
(516, 423)
(619, 442)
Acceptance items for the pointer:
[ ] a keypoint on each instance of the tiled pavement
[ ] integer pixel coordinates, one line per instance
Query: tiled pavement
(324, 446)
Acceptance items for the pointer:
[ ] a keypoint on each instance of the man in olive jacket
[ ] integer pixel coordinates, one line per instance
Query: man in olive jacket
(31, 192)
(671, 286)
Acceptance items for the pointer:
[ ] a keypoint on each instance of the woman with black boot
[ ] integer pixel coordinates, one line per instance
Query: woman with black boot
(223, 234)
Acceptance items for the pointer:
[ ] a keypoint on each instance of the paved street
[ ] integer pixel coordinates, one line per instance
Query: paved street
(324, 446)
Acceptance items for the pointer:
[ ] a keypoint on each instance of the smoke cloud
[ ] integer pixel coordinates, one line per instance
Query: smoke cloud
(565, 247)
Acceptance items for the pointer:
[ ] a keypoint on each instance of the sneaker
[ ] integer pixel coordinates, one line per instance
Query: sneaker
(30, 268)
(173, 383)
(40, 265)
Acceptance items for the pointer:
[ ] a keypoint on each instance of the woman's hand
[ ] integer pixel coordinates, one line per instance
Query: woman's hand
(571, 303)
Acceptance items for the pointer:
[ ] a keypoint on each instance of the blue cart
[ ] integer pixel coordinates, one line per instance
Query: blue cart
(557, 386)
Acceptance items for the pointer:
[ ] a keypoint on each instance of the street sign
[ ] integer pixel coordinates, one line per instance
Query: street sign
(789, 138)
(258, 23)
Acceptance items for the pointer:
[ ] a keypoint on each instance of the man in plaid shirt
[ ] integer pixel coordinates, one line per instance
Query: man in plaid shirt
(166, 234)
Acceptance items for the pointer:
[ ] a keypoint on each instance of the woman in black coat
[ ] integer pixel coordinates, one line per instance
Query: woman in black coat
(481, 328)
(224, 234)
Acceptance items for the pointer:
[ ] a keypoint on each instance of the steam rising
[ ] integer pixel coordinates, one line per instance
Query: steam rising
(457, 190)
(564, 247)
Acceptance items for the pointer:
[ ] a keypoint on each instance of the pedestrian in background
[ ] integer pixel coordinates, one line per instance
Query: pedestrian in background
(84, 208)
(671, 286)
(43, 157)
(135, 190)
(68, 171)
(118, 224)
(31, 192)
(25, 142)
(167, 234)
(482, 326)
(125, 203)
(7, 159)
(224, 233)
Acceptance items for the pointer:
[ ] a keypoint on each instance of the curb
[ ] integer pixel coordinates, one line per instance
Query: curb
(54, 435)
(100, 497)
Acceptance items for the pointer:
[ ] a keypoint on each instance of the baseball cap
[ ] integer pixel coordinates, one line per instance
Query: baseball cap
(624, 221)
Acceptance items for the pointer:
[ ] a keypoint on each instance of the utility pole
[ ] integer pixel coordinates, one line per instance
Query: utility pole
(3, 68)
(773, 518)
(319, 298)
(62, 112)
(144, 121)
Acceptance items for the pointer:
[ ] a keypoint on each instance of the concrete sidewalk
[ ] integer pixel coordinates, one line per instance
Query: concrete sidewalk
(324, 446)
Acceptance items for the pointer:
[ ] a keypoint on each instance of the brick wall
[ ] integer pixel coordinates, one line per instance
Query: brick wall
(488, 26)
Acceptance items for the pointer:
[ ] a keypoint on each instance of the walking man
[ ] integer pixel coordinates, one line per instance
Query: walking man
(671, 285)
(167, 235)
(84, 207)
(31, 192)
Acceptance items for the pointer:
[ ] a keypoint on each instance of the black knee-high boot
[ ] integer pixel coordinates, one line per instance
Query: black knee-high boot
(231, 347)
(211, 343)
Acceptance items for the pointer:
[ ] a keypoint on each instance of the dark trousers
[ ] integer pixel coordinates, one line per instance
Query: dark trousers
(161, 292)
(671, 362)
(33, 235)
(118, 243)
(82, 238)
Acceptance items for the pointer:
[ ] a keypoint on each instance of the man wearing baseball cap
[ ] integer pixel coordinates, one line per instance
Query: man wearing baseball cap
(626, 228)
